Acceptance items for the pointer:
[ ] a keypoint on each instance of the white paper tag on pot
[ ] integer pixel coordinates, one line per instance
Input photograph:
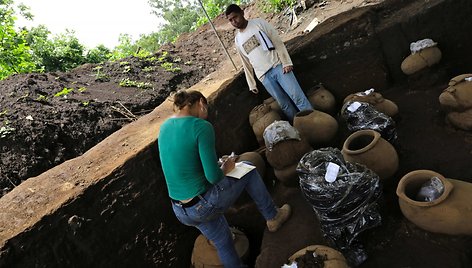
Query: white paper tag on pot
(331, 172)
(354, 106)
(468, 79)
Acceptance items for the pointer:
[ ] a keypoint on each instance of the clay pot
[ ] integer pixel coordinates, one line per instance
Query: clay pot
(420, 60)
(321, 99)
(256, 159)
(381, 104)
(368, 148)
(204, 254)
(450, 213)
(288, 175)
(317, 127)
(334, 259)
(274, 105)
(462, 120)
(287, 153)
(458, 96)
(261, 117)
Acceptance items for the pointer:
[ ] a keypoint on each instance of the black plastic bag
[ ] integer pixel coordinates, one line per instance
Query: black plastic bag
(344, 195)
(362, 115)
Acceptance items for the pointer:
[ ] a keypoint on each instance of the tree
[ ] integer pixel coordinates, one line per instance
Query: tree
(61, 53)
(15, 54)
(185, 16)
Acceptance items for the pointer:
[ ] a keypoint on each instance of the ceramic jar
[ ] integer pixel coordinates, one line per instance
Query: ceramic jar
(274, 105)
(334, 258)
(457, 101)
(315, 126)
(321, 99)
(458, 95)
(288, 175)
(284, 158)
(259, 118)
(256, 159)
(287, 152)
(368, 148)
(450, 213)
(381, 104)
(424, 58)
(204, 253)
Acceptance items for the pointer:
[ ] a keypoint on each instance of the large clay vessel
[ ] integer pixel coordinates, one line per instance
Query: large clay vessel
(381, 104)
(288, 175)
(204, 254)
(368, 148)
(462, 120)
(333, 258)
(315, 126)
(274, 105)
(420, 60)
(256, 159)
(450, 213)
(458, 95)
(260, 117)
(287, 153)
(321, 99)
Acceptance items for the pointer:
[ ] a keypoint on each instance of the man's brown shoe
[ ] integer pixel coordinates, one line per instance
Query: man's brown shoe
(282, 216)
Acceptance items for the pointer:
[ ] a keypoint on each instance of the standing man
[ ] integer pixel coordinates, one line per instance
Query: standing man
(263, 52)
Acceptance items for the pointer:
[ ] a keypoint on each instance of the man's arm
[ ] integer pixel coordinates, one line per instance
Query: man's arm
(278, 44)
(248, 71)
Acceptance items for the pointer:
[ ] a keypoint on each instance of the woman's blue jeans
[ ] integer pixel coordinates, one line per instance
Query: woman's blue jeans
(208, 214)
(284, 88)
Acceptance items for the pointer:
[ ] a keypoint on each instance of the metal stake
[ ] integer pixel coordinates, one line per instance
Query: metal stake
(214, 29)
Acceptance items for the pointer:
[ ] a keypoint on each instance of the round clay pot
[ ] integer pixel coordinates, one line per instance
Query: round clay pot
(274, 106)
(321, 99)
(287, 153)
(458, 96)
(381, 104)
(258, 112)
(204, 254)
(317, 127)
(334, 259)
(450, 213)
(256, 159)
(420, 60)
(262, 122)
(368, 148)
(462, 120)
(288, 175)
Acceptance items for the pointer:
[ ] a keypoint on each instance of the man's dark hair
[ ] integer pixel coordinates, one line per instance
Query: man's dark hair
(233, 8)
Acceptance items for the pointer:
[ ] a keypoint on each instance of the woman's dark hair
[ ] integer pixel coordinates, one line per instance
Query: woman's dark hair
(233, 8)
(183, 98)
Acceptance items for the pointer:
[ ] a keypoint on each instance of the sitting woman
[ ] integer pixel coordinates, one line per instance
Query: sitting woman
(199, 190)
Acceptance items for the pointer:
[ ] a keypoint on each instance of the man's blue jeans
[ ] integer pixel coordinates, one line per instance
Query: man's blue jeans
(284, 88)
(208, 214)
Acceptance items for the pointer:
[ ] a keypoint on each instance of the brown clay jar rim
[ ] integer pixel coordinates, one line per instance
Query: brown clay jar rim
(403, 183)
(366, 132)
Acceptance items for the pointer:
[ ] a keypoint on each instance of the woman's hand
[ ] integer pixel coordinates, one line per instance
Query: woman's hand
(227, 162)
(228, 165)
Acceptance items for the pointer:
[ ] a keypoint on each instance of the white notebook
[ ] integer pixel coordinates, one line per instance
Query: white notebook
(240, 169)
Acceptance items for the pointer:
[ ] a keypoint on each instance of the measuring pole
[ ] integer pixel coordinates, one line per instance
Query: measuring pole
(214, 29)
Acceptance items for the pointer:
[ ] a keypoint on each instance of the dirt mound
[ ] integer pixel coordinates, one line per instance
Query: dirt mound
(48, 118)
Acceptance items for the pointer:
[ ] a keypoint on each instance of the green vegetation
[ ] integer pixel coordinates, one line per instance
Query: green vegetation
(36, 50)
(63, 92)
(126, 82)
(276, 5)
(169, 66)
(82, 89)
(99, 76)
(42, 98)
